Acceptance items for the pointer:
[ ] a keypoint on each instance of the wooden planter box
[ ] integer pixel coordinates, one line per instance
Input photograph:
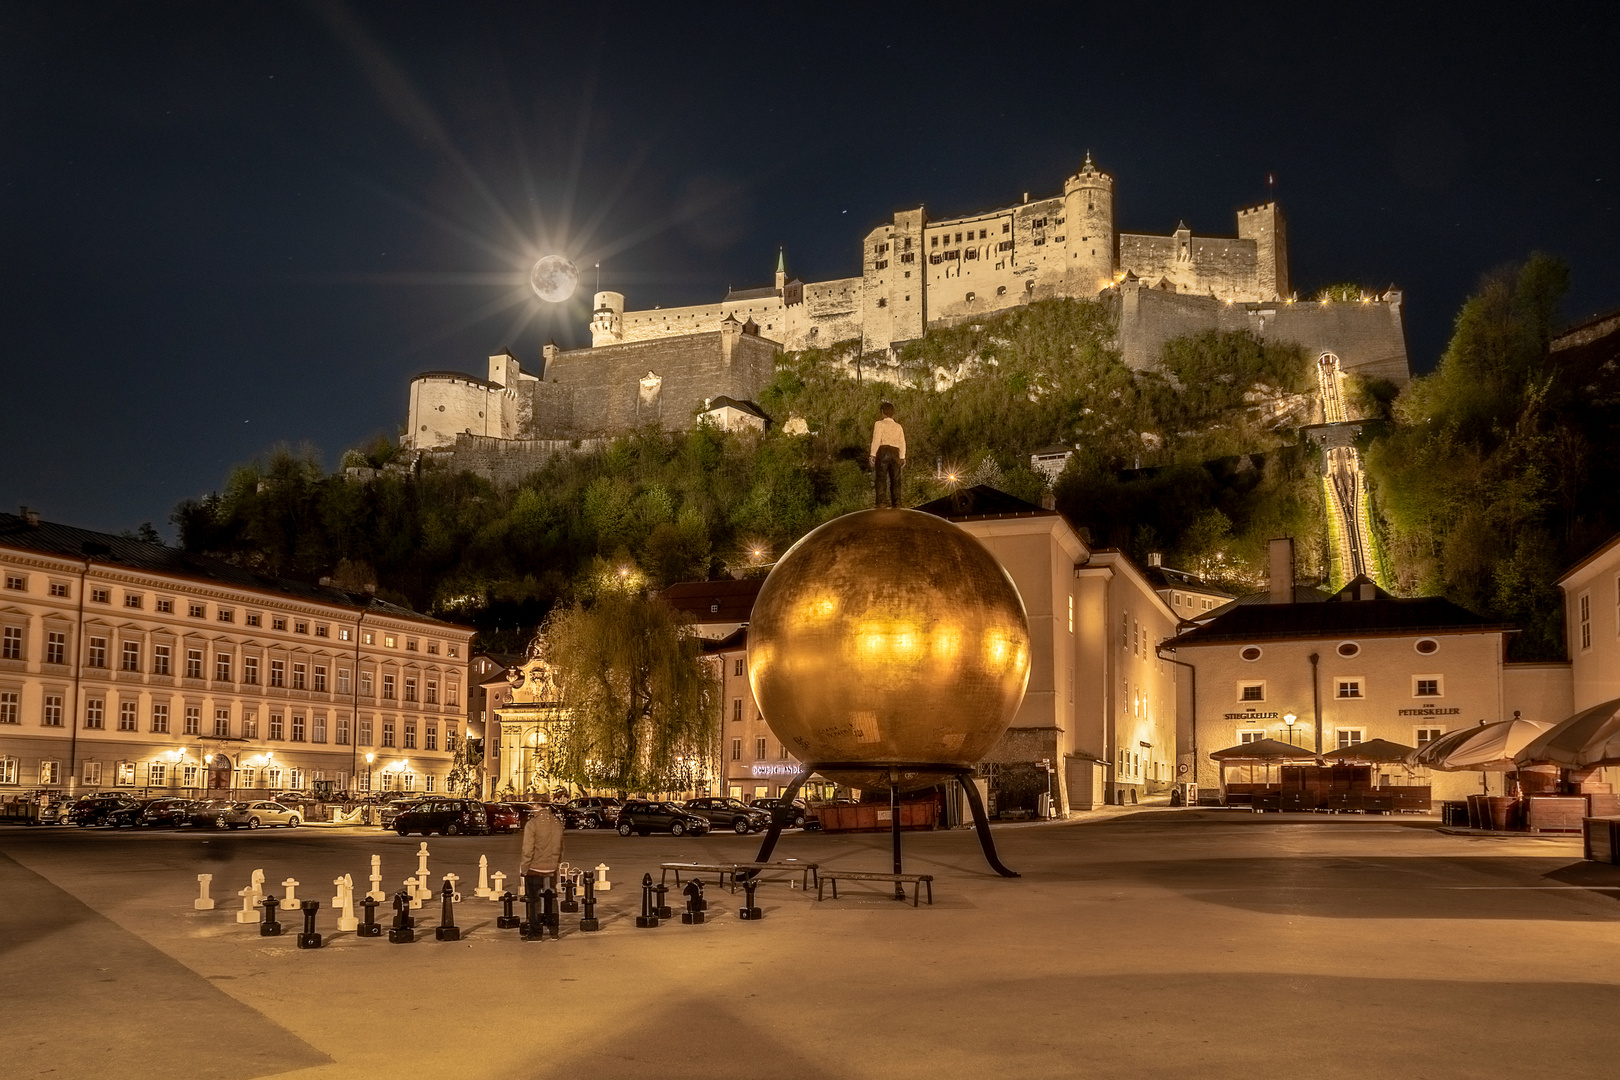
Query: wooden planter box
(1600, 839)
(1555, 813)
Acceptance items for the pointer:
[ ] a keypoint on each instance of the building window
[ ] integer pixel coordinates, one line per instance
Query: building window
(430, 737)
(410, 736)
(90, 775)
(17, 582)
(250, 670)
(322, 630)
(95, 713)
(364, 736)
(194, 662)
(8, 770)
(736, 749)
(132, 600)
(126, 716)
(1252, 691)
(272, 777)
(11, 643)
(222, 723)
(759, 749)
(365, 684)
(388, 733)
(1583, 607)
(1349, 737)
(224, 614)
(1071, 614)
(132, 656)
(278, 673)
(452, 695)
(388, 686)
(278, 623)
(368, 638)
(299, 675)
(298, 727)
(56, 647)
(277, 727)
(222, 667)
(192, 776)
(98, 653)
(363, 781)
(1348, 688)
(430, 692)
(160, 659)
(50, 772)
(1250, 736)
(317, 728)
(410, 688)
(165, 607)
(157, 774)
(453, 650)
(410, 644)
(343, 680)
(408, 781)
(100, 596)
(1427, 686)
(300, 627)
(736, 709)
(196, 611)
(343, 731)
(252, 618)
(433, 648)
(389, 641)
(193, 720)
(320, 678)
(450, 740)
(160, 719)
(250, 726)
(10, 707)
(1349, 648)
(59, 588)
(1427, 735)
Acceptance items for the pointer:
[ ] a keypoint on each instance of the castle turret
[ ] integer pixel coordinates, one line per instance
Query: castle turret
(504, 369)
(548, 353)
(781, 271)
(607, 321)
(1264, 225)
(1088, 198)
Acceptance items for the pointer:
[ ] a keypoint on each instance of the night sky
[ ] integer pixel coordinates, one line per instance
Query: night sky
(226, 226)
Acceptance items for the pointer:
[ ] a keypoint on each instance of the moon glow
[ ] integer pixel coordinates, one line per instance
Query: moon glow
(554, 279)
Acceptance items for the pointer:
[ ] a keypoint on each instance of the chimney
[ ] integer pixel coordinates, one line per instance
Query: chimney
(1048, 499)
(1155, 558)
(1367, 591)
(1280, 556)
(30, 517)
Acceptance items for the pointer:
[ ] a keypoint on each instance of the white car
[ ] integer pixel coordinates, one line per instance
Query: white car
(255, 814)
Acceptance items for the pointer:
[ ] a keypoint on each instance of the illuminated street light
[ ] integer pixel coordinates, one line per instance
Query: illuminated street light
(1290, 719)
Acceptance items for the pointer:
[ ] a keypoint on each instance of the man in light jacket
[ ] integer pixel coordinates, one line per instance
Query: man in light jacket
(542, 851)
(888, 457)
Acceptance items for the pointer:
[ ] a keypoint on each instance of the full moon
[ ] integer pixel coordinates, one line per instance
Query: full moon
(554, 279)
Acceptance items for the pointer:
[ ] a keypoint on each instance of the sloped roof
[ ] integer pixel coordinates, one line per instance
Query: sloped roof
(749, 407)
(982, 501)
(737, 639)
(51, 538)
(750, 294)
(726, 600)
(1333, 619)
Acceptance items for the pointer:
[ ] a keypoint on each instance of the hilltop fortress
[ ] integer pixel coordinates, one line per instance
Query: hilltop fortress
(668, 366)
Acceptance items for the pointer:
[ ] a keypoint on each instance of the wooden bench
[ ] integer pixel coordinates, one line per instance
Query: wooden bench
(725, 873)
(808, 871)
(730, 874)
(917, 882)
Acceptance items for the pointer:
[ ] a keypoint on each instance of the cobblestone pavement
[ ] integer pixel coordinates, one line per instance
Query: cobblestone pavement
(1147, 943)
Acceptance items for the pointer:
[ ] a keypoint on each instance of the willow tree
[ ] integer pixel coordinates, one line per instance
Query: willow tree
(643, 702)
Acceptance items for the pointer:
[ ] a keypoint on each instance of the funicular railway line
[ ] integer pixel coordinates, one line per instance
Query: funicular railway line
(1344, 472)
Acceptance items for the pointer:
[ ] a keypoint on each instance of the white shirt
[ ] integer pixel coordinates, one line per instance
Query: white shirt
(888, 432)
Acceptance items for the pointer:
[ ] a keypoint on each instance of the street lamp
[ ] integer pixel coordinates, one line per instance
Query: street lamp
(1290, 719)
(370, 757)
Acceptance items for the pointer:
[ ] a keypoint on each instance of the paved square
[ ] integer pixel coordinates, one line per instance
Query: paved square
(1151, 943)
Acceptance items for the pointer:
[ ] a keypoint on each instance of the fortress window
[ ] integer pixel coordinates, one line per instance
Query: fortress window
(935, 259)
(970, 297)
(933, 241)
(1006, 226)
(908, 243)
(1005, 245)
(958, 238)
(1039, 240)
(883, 301)
(971, 253)
(1001, 290)
(983, 233)
(1058, 239)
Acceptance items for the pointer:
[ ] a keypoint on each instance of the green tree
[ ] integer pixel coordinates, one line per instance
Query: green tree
(643, 702)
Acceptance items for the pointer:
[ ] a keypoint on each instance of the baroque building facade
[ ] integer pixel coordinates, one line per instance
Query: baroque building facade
(137, 667)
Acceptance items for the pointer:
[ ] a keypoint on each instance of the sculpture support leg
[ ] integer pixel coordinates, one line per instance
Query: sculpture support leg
(982, 824)
(894, 829)
(788, 796)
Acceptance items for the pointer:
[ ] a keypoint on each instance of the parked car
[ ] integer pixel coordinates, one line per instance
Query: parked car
(504, 817)
(794, 815)
(167, 811)
(211, 813)
(93, 809)
(596, 811)
(448, 817)
(724, 812)
(252, 815)
(395, 806)
(642, 816)
(126, 815)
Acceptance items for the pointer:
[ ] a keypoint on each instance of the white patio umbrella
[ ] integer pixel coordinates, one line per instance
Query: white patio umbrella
(1487, 748)
(1584, 741)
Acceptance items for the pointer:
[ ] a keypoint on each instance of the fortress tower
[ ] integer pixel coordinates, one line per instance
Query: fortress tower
(1088, 198)
(1264, 225)
(607, 320)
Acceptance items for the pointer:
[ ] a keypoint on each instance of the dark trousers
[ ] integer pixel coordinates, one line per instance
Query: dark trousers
(886, 476)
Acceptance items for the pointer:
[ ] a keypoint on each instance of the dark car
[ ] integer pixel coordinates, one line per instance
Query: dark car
(643, 816)
(168, 811)
(449, 817)
(95, 809)
(596, 811)
(503, 817)
(213, 813)
(724, 812)
(395, 806)
(795, 814)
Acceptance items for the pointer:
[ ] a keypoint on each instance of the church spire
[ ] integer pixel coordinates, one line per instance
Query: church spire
(781, 270)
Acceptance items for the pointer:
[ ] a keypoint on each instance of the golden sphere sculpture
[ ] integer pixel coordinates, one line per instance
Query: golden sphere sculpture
(888, 647)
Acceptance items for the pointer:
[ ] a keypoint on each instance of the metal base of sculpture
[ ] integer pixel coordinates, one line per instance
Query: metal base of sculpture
(964, 777)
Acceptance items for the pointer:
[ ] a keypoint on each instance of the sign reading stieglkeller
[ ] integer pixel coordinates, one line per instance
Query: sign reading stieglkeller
(1249, 714)
(1428, 710)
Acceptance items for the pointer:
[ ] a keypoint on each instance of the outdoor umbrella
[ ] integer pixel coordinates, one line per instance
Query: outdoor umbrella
(1262, 752)
(1371, 752)
(1586, 740)
(1488, 747)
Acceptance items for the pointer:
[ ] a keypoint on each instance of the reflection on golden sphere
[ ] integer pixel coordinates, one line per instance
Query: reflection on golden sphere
(889, 638)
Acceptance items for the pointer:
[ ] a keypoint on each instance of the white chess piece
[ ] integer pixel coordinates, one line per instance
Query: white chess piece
(204, 902)
(290, 901)
(483, 877)
(257, 885)
(347, 921)
(602, 882)
(455, 894)
(376, 892)
(499, 887)
(337, 900)
(415, 895)
(423, 890)
(250, 905)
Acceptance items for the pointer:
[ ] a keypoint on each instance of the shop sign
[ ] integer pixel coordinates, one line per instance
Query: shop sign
(1428, 710)
(1250, 715)
(763, 769)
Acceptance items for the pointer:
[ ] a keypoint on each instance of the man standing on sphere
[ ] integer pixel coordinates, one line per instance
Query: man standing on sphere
(888, 457)
(542, 851)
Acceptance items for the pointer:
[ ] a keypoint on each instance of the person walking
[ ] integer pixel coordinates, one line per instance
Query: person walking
(888, 457)
(542, 851)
